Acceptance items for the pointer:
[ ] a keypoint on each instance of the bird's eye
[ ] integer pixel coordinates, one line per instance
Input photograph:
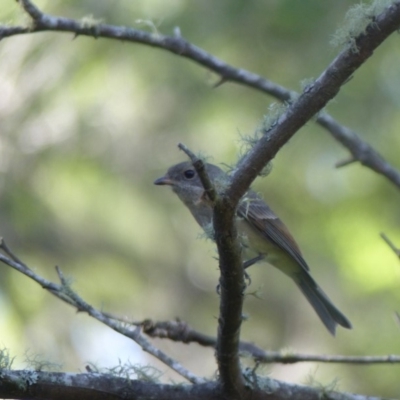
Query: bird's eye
(189, 174)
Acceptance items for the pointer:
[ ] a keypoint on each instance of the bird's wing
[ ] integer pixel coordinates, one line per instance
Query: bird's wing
(262, 218)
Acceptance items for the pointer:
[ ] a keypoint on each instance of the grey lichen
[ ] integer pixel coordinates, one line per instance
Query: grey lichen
(208, 232)
(90, 22)
(27, 378)
(129, 371)
(275, 111)
(37, 363)
(357, 19)
(6, 360)
(256, 381)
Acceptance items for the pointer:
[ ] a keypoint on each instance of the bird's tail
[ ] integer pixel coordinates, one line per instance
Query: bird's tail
(327, 312)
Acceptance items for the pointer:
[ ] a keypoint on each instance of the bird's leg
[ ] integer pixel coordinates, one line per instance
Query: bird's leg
(248, 264)
(247, 279)
(252, 261)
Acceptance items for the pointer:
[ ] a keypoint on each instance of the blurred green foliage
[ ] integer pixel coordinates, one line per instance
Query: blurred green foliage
(86, 127)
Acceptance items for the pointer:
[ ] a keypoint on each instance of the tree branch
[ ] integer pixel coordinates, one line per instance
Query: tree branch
(66, 294)
(313, 99)
(360, 150)
(32, 10)
(180, 331)
(231, 286)
(94, 386)
(39, 384)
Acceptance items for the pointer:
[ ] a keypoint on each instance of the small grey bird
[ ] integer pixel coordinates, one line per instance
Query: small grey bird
(261, 232)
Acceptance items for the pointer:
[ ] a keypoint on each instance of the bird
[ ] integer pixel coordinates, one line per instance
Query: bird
(260, 231)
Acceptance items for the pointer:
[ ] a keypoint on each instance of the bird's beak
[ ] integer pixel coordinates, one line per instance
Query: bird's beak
(164, 180)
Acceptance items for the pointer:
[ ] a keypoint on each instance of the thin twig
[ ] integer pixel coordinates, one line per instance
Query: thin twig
(346, 162)
(200, 168)
(31, 9)
(395, 249)
(359, 360)
(180, 331)
(7, 250)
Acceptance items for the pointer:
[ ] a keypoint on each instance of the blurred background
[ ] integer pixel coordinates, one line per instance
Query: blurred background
(87, 126)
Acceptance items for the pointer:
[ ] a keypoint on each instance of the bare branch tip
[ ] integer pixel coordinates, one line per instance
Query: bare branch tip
(395, 249)
(346, 162)
(188, 152)
(31, 9)
(60, 275)
(8, 251)
(397, 315)
(220, 82)
(177, 32)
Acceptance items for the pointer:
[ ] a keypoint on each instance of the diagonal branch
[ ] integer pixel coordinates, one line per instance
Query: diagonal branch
(313, 99)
